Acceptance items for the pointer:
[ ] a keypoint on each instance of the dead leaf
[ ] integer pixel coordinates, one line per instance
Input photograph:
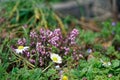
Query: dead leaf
(107, 44)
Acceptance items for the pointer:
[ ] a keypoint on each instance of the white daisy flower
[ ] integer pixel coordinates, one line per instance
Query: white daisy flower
(105, 64)
(56, 58)
(20, 49)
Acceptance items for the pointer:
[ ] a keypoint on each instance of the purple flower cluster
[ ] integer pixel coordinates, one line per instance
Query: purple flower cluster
(40, 48)
(67, 50)
(73, 36)
(41, 62)
(21, 41)
(55, 37)
(52, 37)
(76, 56)
(32, 61)
(33, 34)
(113, 23)
(41, 44)
(26, 54)
(43, 35)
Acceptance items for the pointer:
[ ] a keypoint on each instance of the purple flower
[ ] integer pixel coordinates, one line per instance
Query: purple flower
(118, 48)
(33, 34)
(55, 37)
(74, 52)
(57, 31)
(13, 47)
(32, 61)
(49, 34)
(33, 51)
(40, 48)
(66, 50)
(26, 53)
(89, 50)
(41, 61)
(42, 31)
(53, 42)
(21, 41)
(113, 23)
(73, 34)
(32, 44)
(43, 35)
(47, 54)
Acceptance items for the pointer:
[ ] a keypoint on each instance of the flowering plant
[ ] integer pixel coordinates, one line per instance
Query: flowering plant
(44, 43)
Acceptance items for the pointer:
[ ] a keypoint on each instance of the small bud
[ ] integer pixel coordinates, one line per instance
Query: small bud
(57, 67)
(110, 75)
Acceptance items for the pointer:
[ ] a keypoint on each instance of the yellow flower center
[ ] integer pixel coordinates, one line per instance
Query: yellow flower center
(55, 59)
(64, 78)
(104, 63)
(20, 47)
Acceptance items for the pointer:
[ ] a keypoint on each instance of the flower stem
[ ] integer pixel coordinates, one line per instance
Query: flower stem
(47, 67)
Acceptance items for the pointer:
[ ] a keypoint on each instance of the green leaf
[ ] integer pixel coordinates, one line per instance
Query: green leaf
(51, 72)
(115, 63)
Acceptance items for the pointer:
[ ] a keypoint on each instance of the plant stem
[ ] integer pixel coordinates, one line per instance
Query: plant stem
(47, 67)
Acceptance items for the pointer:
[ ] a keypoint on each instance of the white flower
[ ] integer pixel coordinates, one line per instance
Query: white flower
(105, 64)
(20, 49)
(56, 58)
(57, 67)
